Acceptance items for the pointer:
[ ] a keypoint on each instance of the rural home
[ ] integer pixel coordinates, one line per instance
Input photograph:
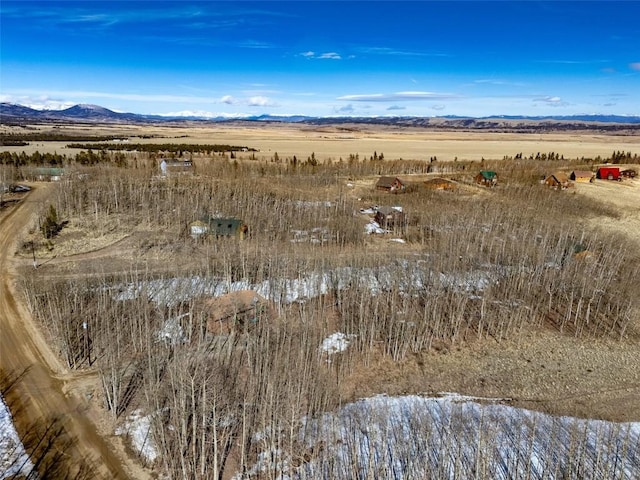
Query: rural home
(558, 180)
(47, 174)
(218, 227)
(235, 311)
(487, 178)
(390, 184)
(175, 167)
(582, 176)
(440, 184)
(390, 218)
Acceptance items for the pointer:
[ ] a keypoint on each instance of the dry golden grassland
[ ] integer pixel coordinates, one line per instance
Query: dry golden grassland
(328, 142)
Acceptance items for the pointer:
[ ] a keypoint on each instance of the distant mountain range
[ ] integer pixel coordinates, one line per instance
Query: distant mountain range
(84, 113)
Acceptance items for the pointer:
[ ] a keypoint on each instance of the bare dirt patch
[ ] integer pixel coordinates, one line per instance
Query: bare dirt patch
(541, 371)
(625, 197)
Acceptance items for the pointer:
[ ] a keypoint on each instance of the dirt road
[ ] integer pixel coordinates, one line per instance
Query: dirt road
(70, 446)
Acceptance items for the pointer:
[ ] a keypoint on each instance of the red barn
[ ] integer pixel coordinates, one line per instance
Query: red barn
(609, 173)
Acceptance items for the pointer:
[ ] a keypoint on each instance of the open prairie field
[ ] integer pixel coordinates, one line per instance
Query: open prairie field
(520, 295)
(335, 142)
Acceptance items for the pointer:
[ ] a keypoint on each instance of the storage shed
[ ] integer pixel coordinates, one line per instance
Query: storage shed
(582, 176)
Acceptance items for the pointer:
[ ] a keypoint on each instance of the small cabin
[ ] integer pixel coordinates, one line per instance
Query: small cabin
(558, 181)
(390, 184)
(218, 227)
(487, 178)
(582, 176)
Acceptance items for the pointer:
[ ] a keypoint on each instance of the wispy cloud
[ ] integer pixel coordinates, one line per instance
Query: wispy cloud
(396, 107)
(330, 56)
(551, 101)
(398, 97)
(64, 99)
(321, 56)
(498, 82)
(575, 62)
(398, 52)
(548, 99)
(347, 109)
(38, 102)
(635, 66)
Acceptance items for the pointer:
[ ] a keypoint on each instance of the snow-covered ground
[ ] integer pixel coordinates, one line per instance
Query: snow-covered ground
(13, 458)
(454, 437)
(138, 429)
(413, 275)
(335, 343)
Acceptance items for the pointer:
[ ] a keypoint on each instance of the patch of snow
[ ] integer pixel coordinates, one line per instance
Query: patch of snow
(398, 240)
(374, 227)
(138, 429)
(452, 436)
(14, 461)
(415, 276)
(315, 235)
(335, 343)
(171, 332)
(312, 204)
(269, 462)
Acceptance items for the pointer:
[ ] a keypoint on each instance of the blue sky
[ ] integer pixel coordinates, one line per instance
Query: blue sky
(328, 58)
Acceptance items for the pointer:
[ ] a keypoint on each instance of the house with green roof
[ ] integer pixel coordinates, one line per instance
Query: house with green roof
(488, 178)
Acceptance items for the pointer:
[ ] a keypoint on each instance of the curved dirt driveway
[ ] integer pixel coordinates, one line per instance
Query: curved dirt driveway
(36, 397)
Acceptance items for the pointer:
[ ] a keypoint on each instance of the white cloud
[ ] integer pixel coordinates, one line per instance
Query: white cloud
(260, 101)
(202, 114)
(635, 66)
(228, 99)
(37, 102)
(549, 99)
(396, 52)
(396, 107)
(81, 96)
(322, 56)
(398, 96)
(330, 56)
